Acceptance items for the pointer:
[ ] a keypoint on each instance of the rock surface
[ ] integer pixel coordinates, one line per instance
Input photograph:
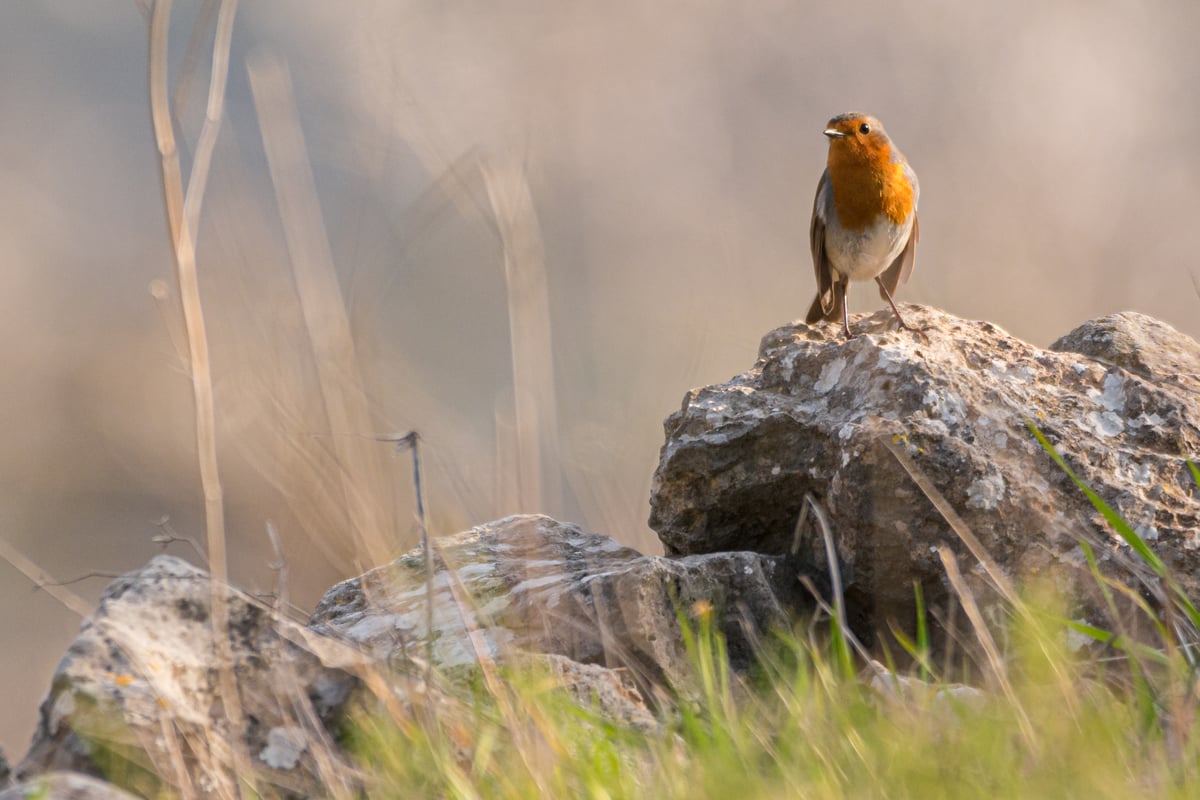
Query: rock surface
(820, 415)
(65, 786)
(874, 431)
(135, 695)
(533, 584)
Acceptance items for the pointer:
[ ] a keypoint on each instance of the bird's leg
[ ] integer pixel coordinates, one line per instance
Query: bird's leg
(895, 310)
(844, 288)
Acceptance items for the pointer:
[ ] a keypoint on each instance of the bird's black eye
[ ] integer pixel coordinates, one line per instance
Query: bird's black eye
(864, 129)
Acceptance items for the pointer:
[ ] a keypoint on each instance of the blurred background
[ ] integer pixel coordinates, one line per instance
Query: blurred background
(610, 200)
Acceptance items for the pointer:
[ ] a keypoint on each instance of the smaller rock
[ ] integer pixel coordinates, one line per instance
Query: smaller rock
(65, 786)
(613, 691)
(137, 692)
(533, 584)
(1143, 345)
(889, 685)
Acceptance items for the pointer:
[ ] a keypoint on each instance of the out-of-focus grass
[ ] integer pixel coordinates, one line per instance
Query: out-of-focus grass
(806, 728)
(1118, 720)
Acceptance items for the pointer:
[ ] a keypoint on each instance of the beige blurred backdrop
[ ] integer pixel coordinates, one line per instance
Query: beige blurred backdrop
(670, 150)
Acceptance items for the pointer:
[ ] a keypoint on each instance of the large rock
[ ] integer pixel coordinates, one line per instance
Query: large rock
(532, 584)
(135, 699)
(820, 415)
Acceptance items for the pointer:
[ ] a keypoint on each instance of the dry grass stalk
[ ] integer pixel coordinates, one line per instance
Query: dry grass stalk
(995, 661)
(360, 465)
(535, 398)
(957, 523)
(998, 578)
(44, 580)
(182, 232)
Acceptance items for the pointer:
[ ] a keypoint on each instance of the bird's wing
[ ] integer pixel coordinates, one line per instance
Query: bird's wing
(902, 267)
(816, 239)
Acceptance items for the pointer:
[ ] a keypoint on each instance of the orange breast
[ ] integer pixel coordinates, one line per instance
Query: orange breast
(865, 187)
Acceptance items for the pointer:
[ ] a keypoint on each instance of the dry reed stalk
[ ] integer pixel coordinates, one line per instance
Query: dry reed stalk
(535, 404)
(998, 578)
(190, 66)
(360, 464)
(182, 232)
(957, 523)
(998, 671)
(44, 580)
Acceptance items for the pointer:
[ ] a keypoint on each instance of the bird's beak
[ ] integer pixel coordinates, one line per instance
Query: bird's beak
(834, 134)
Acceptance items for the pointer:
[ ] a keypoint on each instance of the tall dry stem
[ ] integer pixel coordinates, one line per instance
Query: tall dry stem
(539, 463)
(182, 229)
(360, 464)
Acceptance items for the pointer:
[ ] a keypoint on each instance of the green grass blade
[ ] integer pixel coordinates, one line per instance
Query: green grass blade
(922, 632)
(1118, 524)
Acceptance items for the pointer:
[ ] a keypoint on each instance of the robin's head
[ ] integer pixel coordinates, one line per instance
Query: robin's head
(858, 137)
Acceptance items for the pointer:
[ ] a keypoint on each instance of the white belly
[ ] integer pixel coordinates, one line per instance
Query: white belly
(862, 255)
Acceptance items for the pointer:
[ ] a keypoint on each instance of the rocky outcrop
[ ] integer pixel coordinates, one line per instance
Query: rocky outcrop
(838, 420)
(135, 697)
(888, 436)
(533, 584)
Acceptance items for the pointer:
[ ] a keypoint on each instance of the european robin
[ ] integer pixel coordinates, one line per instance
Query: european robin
(864, 221)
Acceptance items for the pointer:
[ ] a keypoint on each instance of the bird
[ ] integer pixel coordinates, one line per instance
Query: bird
(864, 220)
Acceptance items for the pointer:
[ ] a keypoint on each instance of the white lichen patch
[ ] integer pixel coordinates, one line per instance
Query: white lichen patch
(285, 745)
(889, 363)
(1145, 420)
(787, 365)
(1113, 397)
(846, 431)
(951, 408)
(830, 373)
(1139, 474)
(1021, 372)
(1105, 423)
(987, 492)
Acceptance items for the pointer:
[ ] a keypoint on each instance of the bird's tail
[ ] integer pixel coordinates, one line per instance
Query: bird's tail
(828, 306)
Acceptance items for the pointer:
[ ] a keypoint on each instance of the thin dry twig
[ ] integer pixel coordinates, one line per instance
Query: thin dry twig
(411, 442)
(831, 555)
